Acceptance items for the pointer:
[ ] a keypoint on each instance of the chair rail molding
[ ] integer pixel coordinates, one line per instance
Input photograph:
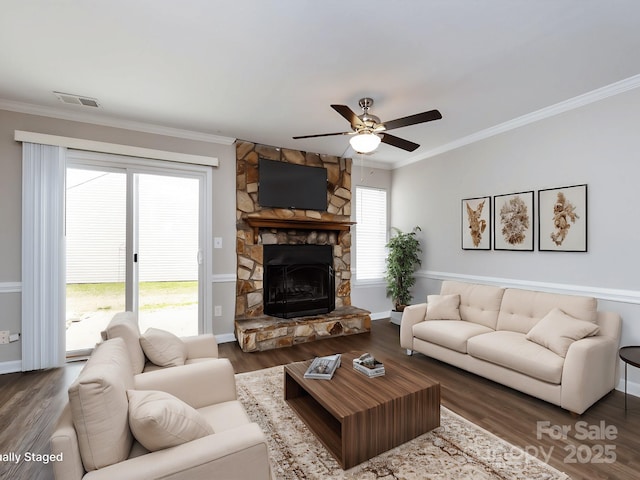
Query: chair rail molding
(610, 294)
(223, 278)
(10, 287)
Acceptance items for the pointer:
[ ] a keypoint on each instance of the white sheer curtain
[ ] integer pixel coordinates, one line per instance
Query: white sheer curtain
(43, 256)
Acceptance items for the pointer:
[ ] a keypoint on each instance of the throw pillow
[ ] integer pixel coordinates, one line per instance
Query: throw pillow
(443, 307)
(163, 348)
(159, 420)
(557, 331)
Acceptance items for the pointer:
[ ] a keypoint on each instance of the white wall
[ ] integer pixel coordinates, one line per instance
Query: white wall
(597, 144)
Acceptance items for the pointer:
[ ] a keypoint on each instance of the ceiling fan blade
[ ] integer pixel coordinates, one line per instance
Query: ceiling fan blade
(322, 135)
(398, 142)
(349, 114)
(413, 119)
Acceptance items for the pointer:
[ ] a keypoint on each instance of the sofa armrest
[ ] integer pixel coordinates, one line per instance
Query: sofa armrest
(412, 314)
(64, 442)
(201, 346)
(589, 372)
(198, 384)
(239, 453)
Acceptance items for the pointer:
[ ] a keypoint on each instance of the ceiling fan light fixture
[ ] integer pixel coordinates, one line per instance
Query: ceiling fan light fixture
(365, 142)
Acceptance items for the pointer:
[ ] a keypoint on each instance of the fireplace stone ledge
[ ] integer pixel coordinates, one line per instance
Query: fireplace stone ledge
(267, 333)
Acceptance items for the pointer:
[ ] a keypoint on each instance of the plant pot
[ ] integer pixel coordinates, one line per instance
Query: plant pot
(395, 317)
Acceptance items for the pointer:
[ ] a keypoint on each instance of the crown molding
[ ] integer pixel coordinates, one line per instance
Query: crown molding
(113, 122)
(547, 112)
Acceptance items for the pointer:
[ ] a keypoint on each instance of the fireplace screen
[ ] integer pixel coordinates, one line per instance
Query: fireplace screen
(298, 280)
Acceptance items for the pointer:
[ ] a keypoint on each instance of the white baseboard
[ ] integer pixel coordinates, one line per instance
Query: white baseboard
(12, 366)
(380, 315)
(226, 338)
(633, 388)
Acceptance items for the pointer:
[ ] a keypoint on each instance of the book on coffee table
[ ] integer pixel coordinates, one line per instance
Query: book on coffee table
(368, 365)
(323, 368)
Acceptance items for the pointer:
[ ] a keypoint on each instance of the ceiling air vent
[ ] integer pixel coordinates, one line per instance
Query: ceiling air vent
(77, 99)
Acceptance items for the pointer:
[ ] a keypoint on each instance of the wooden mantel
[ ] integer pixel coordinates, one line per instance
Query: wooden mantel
(256, 223)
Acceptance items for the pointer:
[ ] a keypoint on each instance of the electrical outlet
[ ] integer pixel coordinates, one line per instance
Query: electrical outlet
(217, 242)
(4, 336)
(14, 337)
(217, 311)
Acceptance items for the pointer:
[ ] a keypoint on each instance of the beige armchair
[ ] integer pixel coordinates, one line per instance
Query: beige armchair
(124, 325)
(96, 438)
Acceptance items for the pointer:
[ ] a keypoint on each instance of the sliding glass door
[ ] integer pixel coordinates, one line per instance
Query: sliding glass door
(135, 241)
(168, 253)
(96, 234)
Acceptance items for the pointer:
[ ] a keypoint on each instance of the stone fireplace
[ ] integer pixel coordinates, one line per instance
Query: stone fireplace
(258, 229)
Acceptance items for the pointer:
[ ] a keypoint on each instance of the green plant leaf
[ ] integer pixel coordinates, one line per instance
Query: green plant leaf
(402, 260)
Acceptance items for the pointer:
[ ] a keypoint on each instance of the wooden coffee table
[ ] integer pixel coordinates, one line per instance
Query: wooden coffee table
(357, 417)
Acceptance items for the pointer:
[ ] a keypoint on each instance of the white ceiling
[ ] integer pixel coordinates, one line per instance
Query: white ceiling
(265, 71)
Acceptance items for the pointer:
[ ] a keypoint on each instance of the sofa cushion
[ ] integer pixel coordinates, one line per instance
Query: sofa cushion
(478, 303)
(125, 325)
(163, 348)
(99, 406)
(557, 331)
(159, 420)
(443, 307)
(522, 309)
(512, 350)
(451, 334)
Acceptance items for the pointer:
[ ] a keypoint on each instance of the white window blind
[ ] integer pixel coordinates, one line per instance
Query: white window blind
(371, 233)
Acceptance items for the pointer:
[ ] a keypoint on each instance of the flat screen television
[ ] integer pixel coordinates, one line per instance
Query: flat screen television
(287, 185)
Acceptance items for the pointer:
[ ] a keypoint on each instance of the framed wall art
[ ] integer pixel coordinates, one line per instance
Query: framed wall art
(562, 219)
(476, 223)
(513, 221)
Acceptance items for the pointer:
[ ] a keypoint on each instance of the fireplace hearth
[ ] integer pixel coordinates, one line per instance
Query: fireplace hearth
(299, 280)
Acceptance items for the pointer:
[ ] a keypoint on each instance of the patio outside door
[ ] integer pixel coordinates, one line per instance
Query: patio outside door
(168, 253)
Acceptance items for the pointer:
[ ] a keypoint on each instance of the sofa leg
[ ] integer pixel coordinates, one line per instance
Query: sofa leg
(409, 352)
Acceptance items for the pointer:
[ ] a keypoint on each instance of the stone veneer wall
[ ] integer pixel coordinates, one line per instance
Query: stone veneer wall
(249, 290)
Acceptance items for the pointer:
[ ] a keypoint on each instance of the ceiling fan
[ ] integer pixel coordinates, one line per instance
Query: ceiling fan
(369, 131)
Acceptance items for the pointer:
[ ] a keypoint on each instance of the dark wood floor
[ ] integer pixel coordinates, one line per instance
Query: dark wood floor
(30, 403)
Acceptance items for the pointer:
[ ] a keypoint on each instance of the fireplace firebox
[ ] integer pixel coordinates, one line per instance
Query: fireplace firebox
(298, 280)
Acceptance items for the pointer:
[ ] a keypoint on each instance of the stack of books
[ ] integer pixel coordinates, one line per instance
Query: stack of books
(368, 365)
(323, 368)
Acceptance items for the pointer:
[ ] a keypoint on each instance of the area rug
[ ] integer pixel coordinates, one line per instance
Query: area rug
(458, 449)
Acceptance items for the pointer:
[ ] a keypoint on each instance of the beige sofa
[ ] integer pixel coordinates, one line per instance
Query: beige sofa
(174, 423)
(558, 348)
(188, 350)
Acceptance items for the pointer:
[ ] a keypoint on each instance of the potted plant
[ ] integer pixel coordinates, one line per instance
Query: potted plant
(401, 262)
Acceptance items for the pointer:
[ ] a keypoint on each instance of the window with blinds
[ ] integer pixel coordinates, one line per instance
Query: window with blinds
(371, 233)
